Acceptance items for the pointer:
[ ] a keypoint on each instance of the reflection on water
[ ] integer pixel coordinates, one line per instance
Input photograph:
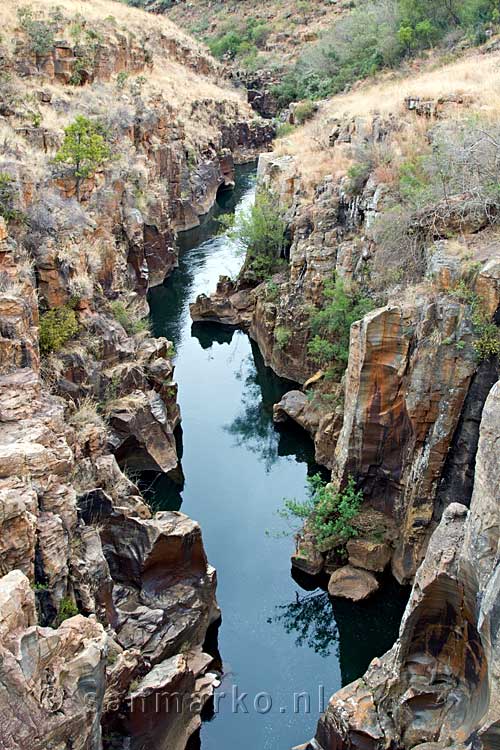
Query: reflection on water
(310, 620)
(354, 632)
(238, 467)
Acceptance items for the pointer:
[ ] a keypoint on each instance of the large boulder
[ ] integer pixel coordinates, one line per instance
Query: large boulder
(352, 583)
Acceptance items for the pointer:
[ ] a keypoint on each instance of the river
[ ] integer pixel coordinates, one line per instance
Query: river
(276, 637)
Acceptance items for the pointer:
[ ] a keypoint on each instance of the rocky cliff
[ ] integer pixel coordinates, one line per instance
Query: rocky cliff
(411, 413)
(438, 686)
(104, 605)
(401, 414)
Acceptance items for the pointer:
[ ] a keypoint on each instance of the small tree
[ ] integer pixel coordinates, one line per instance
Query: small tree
(261, 232)
(84, 149)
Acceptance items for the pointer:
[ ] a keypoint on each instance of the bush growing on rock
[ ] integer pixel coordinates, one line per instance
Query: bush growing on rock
(331, 324)
(487, 342)
(67, 609)
(326, 513)
(129, 317)
(84, 148)
(39, 32)
(56, 327)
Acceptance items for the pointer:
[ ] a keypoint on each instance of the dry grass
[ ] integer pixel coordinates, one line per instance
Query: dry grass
(128, 19)
(476, 76)
(178, 82)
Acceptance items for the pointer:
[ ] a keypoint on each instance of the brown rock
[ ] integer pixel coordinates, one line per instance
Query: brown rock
(369, 555)
(307, 558)
(352, 583)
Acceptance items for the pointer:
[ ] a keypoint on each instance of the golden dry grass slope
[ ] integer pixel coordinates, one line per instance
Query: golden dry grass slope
(177, 67)
(473, 81)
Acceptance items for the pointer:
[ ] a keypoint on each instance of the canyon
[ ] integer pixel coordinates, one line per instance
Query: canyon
(225, 402)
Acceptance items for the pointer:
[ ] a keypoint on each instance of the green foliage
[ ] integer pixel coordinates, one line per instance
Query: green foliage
(261, 232)
(40, 33)
(67, 609)
(272, 292)
(487, 341)
(331, 324)
(282, 336)
(84, 147)
(121, 79)
(284, 129)
(304, 111)
(7, 197)
(129, 318)
(56, 327)
(242, 42)
(413, 181)
(377, 34)
(327, 514)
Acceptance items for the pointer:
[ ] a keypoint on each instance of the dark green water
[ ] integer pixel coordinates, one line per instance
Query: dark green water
(275, 636)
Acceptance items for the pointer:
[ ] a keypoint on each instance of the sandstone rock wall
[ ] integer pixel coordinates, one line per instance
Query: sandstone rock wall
(439, 683)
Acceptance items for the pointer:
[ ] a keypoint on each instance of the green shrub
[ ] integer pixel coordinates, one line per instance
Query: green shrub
(67, 609)
(284, 129)
(260, 230)
(331, 324)
(84, 148)
(304, 111)
(129, 317)
(56, 327)
(40, 33)
(282, 336)
(327, 514)
(242, 42)
(487, 341)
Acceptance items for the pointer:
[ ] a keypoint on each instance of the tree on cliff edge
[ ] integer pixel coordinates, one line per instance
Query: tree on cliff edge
(84, 149)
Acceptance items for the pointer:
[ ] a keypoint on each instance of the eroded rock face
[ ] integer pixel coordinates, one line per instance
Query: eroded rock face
(439, 683)
(51, 681)
(405, 389)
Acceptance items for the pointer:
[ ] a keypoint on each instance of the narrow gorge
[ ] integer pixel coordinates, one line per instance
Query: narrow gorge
(249, 396)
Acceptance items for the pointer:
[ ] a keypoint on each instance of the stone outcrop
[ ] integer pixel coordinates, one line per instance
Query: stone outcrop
(439, 683)
(51, 681)
(75, 532)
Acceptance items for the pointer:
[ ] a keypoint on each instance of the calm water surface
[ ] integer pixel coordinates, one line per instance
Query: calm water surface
(276, 637)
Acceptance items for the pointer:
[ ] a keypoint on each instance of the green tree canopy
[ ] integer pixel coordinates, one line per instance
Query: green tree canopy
(84, 147)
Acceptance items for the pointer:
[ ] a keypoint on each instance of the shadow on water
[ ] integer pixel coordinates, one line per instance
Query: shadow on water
(280, 633)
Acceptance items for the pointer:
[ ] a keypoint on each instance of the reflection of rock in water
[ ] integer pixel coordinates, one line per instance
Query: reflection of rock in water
(254, 426)
(212, 333)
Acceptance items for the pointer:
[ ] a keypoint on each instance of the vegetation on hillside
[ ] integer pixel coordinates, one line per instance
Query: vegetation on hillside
(57, 326)
(378, 34)
(84, 148)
